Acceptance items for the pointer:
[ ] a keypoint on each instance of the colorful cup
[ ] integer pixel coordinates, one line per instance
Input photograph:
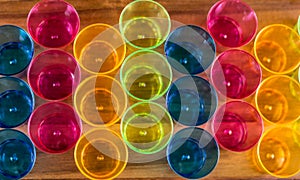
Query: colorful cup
(16, 49)
(275, 99)
(53, 24)
(236, 74)
(146, 127)
(191, 100)
(53, 74)
(193, 153)
(232, 23)
(277, 152)
(16, 102)
(144, 24)
(101, 154)
(277, 54)
(99, 49)
(17, 154)
(54, 127)
(190, 49)
(146, 75)
(100, 100)
(237, 126)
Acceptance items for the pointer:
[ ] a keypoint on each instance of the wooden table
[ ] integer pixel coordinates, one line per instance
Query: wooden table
(231, 165)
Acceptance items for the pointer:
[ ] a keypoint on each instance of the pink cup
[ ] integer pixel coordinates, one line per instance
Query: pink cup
(232, 23)
(53, 23)
(53, 74)
(236, 74)
(54, 127)
(237, 126)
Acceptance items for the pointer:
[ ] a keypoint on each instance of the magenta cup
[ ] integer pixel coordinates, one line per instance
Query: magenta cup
(232, 23)
(53, 23)
(54, 127)
(237, 126)
(236, 74)
(53, 74)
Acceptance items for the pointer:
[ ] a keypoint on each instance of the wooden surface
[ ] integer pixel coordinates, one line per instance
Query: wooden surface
(231, 165)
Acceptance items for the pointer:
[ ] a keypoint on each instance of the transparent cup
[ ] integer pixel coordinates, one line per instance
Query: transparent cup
(193, 153)
(145, 75)
(101, 154)
(232, 23)
(275, 99)
(191, 100)
(190, 49)
(144, 24)
(16, 102)
(54, 127)
(16, 49)
(237, 126)
(100, 100)
(236, 74)
(53, 23)
(99, 48)
(277, 54)
(146, 127)
(277, 152)
(53, 74)
(17, 154)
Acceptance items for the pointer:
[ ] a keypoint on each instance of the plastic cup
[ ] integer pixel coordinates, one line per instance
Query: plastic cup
(277, 54)
(145, 75)
(53, 74)
(277, 152)
(144, 24)
(17, 154)
(146, 127)
(16, 49)
(275, 99)
(236, 74)
(191, 100)
(99, 49)
(237, 126)
(16, 102)
(100, 100)
(101, 154)
(232, 23)
(193, 153)
(53, 23)
(190, 49)
(54, 127)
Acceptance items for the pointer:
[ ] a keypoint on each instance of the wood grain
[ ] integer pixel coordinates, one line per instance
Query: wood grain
(231, 165)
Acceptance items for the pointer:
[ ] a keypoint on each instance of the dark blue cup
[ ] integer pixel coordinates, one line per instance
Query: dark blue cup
(190, 49)
(191, 100)
(193, 153)
(17, 154)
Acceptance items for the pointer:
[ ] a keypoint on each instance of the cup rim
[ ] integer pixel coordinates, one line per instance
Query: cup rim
(121, 58)
(77, 162)
(149, 150)
(163, 38)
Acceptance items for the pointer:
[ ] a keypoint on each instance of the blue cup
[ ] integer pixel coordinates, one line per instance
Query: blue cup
(190, 49)
(17, 154)
(16, 102)
(193, 153)
(16, 49)
(191, 100)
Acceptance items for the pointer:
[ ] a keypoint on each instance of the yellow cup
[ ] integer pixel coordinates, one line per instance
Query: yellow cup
(144, 24)
(275, 99)
(146, 127)
(99, 48)
(101, 154)
(277, 152)
(276, 48)
(100, 100)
